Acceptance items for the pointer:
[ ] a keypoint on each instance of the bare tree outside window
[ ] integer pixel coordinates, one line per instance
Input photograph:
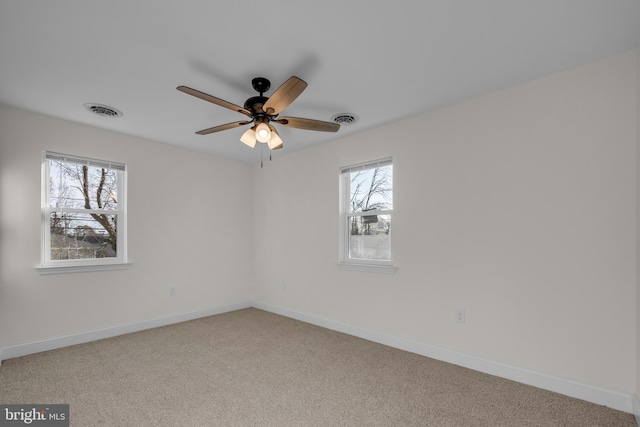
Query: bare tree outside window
(369, 212)
(83, 221)
(371, 190)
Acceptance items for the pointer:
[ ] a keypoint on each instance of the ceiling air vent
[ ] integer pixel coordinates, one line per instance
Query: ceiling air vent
(344, 119)
(103, 110)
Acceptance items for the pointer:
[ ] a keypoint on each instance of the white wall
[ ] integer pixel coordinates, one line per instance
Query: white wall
(186, 229)
(518, 207)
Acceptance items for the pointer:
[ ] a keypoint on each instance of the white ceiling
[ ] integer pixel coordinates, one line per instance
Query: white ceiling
(382, 60)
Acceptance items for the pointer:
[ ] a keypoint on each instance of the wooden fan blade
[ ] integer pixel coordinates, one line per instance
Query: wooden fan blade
(222, 127)
(214, 100)
(309, 124)
(284, 95)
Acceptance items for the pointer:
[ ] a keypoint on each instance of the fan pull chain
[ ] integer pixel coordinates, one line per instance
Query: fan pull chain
(261, 152)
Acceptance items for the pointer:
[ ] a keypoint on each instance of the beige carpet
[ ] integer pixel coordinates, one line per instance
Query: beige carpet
(253, 368)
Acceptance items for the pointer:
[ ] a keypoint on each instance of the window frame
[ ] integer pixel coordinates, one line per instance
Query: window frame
(344, 260)
(51, 266)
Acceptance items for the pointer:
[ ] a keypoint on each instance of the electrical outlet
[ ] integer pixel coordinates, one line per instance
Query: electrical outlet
(460, 315)
(172, 291)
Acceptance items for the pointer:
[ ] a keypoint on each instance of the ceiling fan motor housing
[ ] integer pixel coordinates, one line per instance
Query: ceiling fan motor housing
(255, 103)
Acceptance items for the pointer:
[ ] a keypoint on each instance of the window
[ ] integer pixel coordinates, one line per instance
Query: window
(366, 210)
(83, 214)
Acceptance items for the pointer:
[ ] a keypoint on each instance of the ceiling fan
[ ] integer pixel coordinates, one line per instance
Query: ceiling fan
(263, 111)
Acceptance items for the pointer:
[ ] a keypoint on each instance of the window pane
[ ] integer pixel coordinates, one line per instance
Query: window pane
(371, 189)
(82, 236)
(73, 185)
(370, 237)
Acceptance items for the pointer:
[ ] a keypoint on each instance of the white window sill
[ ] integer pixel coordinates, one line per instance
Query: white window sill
(63, 269)
(371, 268)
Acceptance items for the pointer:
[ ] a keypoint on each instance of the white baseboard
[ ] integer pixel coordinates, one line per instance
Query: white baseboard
(611, 398)
(83, 337)
(636, 410)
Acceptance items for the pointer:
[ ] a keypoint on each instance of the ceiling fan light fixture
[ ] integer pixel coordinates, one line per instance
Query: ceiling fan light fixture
(249, 137)
(263, 133)
(275, 142)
